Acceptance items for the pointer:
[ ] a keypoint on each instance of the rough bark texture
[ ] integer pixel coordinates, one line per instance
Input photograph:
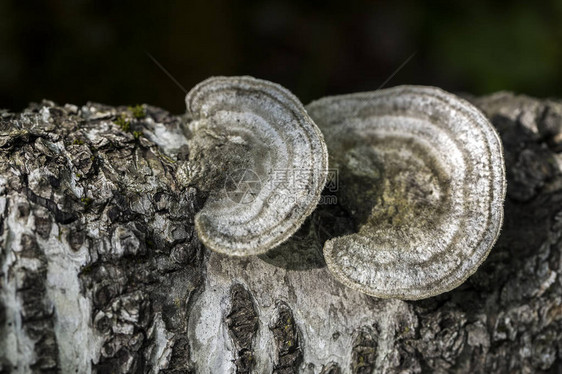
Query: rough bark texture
(101, 270)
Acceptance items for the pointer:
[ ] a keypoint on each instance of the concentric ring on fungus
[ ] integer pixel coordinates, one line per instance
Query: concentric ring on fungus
(423, 176)
(261, 158)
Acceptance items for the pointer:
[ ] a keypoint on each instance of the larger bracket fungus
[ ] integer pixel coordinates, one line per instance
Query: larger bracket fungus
(422, 174)
(260, 158)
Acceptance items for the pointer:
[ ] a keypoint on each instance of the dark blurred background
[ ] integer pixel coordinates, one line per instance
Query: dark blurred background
(79, 50)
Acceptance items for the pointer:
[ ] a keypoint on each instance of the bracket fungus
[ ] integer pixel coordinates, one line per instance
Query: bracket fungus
(422, 174)
(260, 158)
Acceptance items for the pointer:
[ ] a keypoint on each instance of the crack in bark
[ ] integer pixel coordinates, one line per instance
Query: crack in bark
(286, 336)
(242, 323)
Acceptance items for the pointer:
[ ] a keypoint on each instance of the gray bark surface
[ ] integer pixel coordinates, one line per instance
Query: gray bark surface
(101, 270)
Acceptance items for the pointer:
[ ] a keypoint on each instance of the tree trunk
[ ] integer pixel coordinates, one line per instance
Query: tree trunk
(101, 269)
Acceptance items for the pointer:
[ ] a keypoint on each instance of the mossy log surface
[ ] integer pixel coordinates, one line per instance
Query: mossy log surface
(101, 269)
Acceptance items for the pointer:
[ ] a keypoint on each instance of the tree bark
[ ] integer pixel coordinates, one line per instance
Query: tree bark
(101, 269)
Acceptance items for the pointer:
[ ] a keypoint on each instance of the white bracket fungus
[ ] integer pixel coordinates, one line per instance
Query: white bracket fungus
(422, 174)
(260, 158)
